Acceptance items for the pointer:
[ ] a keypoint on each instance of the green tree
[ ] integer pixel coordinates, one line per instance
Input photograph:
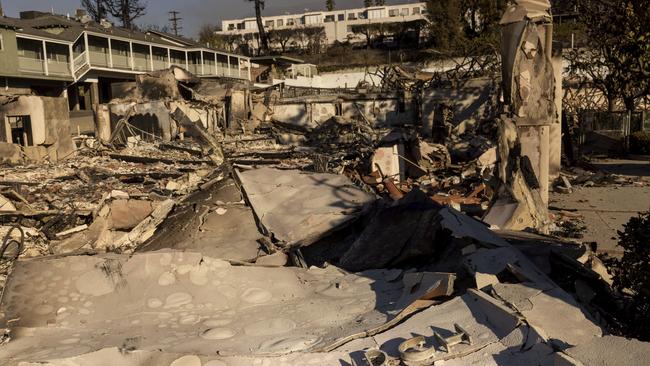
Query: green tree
(207, 34)
(330, 5)
(445, 27)
(616, 59)
(380, 2)
(367, 3)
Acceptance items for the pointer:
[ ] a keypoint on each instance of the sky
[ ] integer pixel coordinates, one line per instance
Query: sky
(195, 13)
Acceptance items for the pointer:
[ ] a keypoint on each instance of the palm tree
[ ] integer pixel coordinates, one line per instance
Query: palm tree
(264, 39)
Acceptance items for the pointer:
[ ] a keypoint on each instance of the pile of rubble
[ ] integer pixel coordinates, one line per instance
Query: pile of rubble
(239, 226)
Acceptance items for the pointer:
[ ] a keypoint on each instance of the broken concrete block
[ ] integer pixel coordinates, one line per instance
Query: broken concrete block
(145, 229)
(119, 195)
(6, 205)
(173, 186)
(298, 208)
(485, 279)
(488, 158)
(597, 266)
(74, 230)
(158, 85)
(278, 259)
(610, 350)
(387, 160)
(127, 214)
(136, 293)
(10, 154)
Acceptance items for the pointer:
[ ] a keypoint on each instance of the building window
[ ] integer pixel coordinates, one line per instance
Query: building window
(290, 22)
(375, 13)
(352, 17)
(416, 11)
(280, 22)
(341, 17)
(21, 130)
(231, 27)
(269, 23)
(362, 15)
(329, 18)
(393, 12)
(405, 12)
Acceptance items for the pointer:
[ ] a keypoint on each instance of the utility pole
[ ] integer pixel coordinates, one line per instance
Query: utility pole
(175, 22)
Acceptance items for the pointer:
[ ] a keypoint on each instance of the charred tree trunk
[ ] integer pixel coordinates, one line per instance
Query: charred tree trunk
(264, 40)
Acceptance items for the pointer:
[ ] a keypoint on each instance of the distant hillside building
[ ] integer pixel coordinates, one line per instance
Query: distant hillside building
(337, 24)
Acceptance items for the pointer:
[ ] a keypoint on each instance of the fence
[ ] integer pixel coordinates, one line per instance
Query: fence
(609, 132)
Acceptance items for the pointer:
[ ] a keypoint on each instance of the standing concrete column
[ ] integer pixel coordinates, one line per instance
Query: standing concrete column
(102, 124)
(555, 137)
(529, 81)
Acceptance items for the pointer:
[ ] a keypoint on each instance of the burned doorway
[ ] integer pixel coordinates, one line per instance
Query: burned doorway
(21, 130)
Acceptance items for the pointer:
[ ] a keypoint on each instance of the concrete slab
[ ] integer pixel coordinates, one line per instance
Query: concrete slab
(187, 303)
(298, 208)
(611, 350)
(214, 222)
(118, 356)
(605, 210)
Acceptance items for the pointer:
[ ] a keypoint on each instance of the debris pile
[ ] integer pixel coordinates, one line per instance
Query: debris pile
(216, 223)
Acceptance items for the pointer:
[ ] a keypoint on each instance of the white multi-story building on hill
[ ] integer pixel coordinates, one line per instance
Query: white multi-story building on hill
(337, 24)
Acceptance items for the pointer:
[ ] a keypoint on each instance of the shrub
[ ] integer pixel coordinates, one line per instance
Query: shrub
(640, 143)
(632, 273)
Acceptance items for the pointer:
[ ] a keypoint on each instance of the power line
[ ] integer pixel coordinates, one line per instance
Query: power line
(175, 22)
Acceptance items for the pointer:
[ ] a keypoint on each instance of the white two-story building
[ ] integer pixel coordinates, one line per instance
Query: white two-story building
(337, 24)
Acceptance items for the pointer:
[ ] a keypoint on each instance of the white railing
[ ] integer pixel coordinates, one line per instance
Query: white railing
(80, 61)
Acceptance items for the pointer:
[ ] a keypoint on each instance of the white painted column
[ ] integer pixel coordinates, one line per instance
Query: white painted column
(202, 64)
(132, 57)
(169, 58)
(216, 64)
(250, 65)
(187, 62)
(239, 67)
(71, 51)
(110, 54)
(229, 67)
(151, 57)
(45, 65)
(87, 49)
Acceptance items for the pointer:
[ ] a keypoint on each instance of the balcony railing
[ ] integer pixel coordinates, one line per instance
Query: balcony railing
(58, 68)
(138, 61)
(80, 61)
(99, 58)
(31, 65)
(159, 65)
(121, 61)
